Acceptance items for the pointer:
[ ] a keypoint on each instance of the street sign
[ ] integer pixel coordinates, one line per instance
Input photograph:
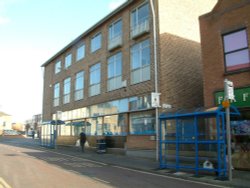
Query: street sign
(155, 100)
(230, 90)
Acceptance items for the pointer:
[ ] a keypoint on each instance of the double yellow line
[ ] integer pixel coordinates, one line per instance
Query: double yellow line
(3, 184)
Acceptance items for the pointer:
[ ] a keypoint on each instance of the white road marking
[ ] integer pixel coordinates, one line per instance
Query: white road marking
(168, 177)
(4, 184)
(124, 168)
(101, 180)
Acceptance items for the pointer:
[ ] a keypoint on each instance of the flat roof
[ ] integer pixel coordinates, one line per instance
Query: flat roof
(121, 7)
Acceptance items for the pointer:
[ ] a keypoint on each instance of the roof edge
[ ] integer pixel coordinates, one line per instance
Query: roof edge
(117, 10)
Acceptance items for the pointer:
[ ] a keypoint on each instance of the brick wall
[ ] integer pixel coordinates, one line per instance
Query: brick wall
(140, 142)
(67, 140)
(226, 17)
(181, 78)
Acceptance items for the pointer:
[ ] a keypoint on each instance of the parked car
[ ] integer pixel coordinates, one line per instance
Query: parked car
(11, 132)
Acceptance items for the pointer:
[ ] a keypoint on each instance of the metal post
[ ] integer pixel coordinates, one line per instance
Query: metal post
(156, 80)
(229, 155)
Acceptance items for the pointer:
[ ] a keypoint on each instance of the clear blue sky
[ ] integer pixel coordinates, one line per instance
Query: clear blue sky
(32, 31)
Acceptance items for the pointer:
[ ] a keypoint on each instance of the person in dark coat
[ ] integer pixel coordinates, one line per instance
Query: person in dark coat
(82, 140)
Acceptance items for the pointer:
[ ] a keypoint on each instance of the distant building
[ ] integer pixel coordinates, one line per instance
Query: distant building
(105, 77)
(36, 121)
(225, 40)
(5, 122)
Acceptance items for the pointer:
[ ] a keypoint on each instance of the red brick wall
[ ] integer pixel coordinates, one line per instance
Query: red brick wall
(180, 72)
(140, 142)
(227, 16)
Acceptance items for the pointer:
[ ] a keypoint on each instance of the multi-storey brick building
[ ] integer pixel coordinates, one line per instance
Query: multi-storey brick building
(225, 35)
(105, 77)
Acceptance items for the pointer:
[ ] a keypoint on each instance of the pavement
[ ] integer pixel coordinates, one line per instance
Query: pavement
(240, 179)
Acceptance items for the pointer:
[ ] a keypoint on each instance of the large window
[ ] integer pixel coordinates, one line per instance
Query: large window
(139, 103)
(58, 67)
(56, 94)
(140, 62)
(95, 79)
(79, 86)
(236, 50)
(142, 123)
(96, 42)
(68, 61)
(80, 53)
(115, 72)
(115, 34)
(140, 20)
(66, 91)
(114, 125)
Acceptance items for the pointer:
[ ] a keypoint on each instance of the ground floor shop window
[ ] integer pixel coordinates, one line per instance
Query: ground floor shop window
(114, 125)
(240, 130)
(64, 130)
(142, 123)
(95, 126)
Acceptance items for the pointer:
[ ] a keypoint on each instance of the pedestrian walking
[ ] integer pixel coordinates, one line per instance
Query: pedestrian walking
(82, 140)
(33, 134)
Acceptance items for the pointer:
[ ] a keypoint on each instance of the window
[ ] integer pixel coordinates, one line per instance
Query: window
(140, 62)
(66, 91)
(236, 50)
(115, 72)
(80, 53)
(140, 20)
(95, 79)
(140, 103)
(96, 42)
(114, 125)
(56, 94)
(68, 61)
(142, 124)
(79, 85)
(58, 67)
(115, 35)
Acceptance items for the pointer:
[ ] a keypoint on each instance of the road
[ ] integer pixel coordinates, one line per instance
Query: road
(25, 164)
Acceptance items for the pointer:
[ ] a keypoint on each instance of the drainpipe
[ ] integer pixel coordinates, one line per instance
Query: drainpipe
(156, 78)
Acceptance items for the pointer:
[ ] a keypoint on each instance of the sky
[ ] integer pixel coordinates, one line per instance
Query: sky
(31, 32)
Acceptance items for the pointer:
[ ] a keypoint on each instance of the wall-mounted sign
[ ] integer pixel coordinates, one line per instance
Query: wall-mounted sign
(241, 97)
(155, 100)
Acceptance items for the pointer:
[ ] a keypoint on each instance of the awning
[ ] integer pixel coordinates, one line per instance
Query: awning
(54, 122)
(79, 123)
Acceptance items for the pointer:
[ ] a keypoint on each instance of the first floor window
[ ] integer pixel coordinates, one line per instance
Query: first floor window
(142, 123)
(115, 72)
(56, 94)
(79, 86)
(236, 50)
(66, 91)
(140, 62)
(95, 80)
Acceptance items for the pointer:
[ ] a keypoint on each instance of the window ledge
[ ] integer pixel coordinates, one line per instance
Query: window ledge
(237, 71)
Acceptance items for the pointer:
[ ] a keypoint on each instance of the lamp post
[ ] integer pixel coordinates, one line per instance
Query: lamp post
(156, 78)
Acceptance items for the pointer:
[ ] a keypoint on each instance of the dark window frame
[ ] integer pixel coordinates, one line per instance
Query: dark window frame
(233, 51)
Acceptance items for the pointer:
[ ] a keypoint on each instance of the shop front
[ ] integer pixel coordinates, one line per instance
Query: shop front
(240, 127)
(127, 123)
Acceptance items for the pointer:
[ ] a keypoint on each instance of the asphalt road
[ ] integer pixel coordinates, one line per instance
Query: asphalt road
(25, 164)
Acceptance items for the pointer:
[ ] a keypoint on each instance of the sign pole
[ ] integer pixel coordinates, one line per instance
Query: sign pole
(227, 85)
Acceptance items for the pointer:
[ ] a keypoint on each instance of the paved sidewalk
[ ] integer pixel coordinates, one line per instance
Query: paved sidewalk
(240, 178)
